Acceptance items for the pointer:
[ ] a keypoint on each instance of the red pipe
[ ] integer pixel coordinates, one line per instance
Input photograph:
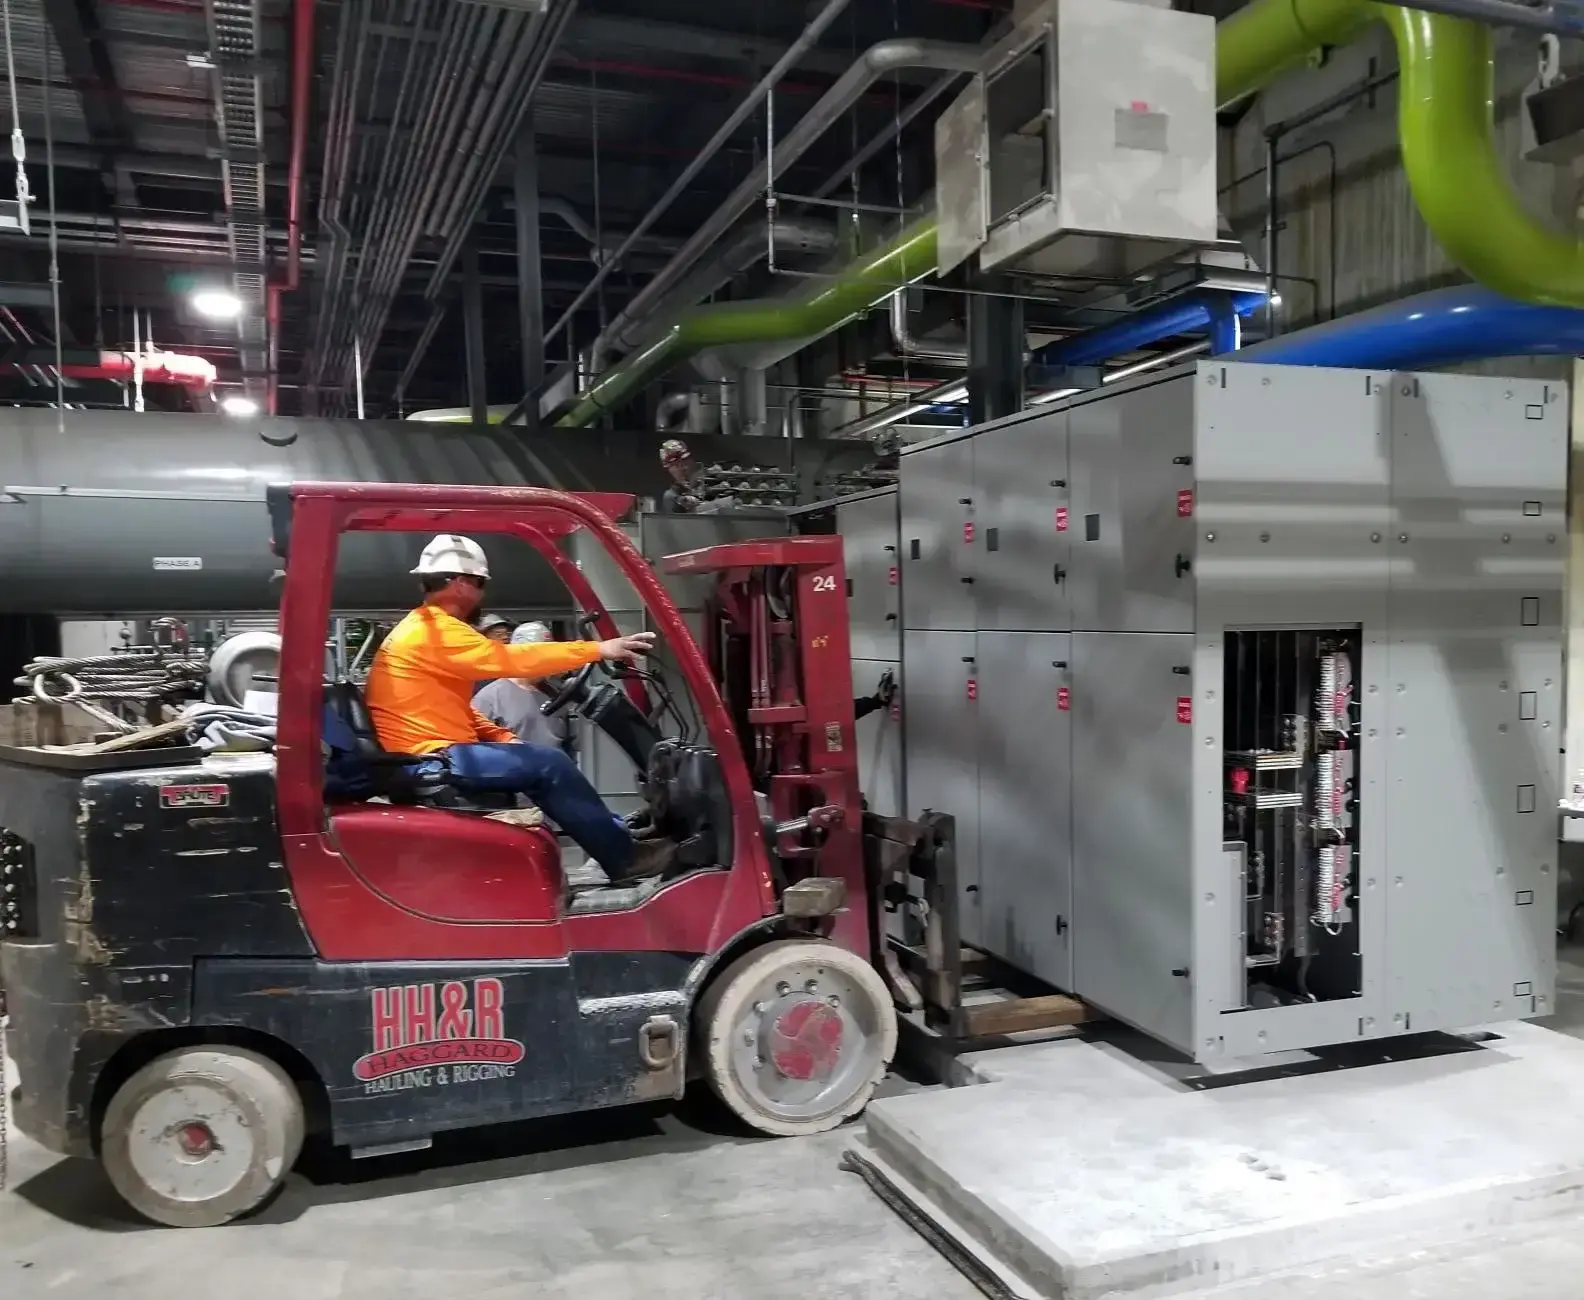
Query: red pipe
(302, 82)
(158, 368)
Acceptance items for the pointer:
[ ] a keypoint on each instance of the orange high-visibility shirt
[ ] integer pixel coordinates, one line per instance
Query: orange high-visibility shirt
(420, 687)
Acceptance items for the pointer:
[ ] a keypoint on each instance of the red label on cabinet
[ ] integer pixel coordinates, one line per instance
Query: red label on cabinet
(1185, 710)
(1061, 519)
(968, 531)
(1184, 503)
(891, 576)
(1063, 698)
(973, 688)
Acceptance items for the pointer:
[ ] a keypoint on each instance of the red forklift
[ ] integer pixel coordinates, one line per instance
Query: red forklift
(207, 957)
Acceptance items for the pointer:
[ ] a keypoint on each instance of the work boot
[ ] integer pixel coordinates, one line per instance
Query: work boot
(650, 858)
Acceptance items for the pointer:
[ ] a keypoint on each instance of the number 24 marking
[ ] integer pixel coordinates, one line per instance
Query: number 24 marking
(824, 582)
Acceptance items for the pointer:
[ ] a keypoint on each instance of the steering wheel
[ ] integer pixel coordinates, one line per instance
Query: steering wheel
(574, 688)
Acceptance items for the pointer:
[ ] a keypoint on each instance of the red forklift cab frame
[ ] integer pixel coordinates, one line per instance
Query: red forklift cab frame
(703, 913)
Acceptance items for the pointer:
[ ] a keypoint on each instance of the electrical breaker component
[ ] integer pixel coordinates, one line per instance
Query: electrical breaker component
(1291, 755)
(1334, 696)
(1331, 885)
(1328, 792)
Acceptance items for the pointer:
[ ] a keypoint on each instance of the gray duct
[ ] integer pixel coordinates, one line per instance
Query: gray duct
(685, 412)
(874, 63)
(163, 514)
(914, 349)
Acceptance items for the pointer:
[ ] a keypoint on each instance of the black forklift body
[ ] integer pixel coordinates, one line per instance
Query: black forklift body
(157, 911)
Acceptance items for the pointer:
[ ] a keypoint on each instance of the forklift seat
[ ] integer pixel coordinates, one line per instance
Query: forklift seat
(357, 768)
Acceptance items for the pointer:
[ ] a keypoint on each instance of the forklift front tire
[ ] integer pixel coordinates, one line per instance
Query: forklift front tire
(796, 1036)
(202, 1135)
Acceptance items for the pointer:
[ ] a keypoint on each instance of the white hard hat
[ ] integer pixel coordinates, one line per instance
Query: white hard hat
(530, 633)
(449, 553)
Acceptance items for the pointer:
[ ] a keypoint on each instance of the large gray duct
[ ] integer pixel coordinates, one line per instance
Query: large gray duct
(147, 514)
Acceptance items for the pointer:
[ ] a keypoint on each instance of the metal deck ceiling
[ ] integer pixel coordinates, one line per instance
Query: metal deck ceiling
(169, 171)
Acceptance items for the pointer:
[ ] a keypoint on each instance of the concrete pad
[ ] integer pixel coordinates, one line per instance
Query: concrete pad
(1088, 1172)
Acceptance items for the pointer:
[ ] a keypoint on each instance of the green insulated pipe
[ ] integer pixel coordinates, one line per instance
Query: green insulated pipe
(1447, 129)
(1269, 38)
(1446, 120)
(826, 304)
(1445, 124)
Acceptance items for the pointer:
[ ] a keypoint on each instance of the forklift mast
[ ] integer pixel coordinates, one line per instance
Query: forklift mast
(775, 638)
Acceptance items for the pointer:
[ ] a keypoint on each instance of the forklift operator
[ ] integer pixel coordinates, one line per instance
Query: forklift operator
(419, 696)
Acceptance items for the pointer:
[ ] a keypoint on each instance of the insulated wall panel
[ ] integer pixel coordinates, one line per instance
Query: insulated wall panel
(880, 742)
(1132, 509)
(939, 532)
(868, 529)
(1025, 810)
(1473, 702)
(941, 729)
(1021, 489)
(1131, 795)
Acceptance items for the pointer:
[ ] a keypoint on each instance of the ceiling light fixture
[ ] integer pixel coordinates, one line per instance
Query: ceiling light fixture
(239, 406)
(217, 304)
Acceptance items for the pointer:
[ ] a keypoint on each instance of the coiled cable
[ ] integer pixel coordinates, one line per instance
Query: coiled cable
(102, 684)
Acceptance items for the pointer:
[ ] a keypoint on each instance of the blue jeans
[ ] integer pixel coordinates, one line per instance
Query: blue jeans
(554, 783)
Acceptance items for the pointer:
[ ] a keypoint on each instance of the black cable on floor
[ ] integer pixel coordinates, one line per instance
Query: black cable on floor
(964, 1261)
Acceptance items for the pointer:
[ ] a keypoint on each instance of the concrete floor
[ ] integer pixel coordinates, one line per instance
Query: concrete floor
(647, 1203)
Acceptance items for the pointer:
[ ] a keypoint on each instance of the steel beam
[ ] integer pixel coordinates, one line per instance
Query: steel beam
(530, 280)
(86, 61)
(597, 33)
(473, 334)
(995, 350)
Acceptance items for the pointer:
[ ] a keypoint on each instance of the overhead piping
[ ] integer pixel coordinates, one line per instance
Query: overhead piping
(810, 35)
(1444, 327)
(821, 307)
(582, 227)
(301, 83)
(795, 238)
(455, 118)
(870, 66)
(154, 367)
(1209, 311)
(914, 349)
(1446, 128)
(1140, 329)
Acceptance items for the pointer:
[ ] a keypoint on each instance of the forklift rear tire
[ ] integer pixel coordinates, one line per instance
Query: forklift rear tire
(202, 1135)
(797, 1036)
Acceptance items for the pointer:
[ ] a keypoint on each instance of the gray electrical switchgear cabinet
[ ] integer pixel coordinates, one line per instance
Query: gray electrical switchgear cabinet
(1244, 685)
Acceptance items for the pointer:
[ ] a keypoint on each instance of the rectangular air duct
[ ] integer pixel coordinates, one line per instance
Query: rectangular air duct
(1086, 145)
